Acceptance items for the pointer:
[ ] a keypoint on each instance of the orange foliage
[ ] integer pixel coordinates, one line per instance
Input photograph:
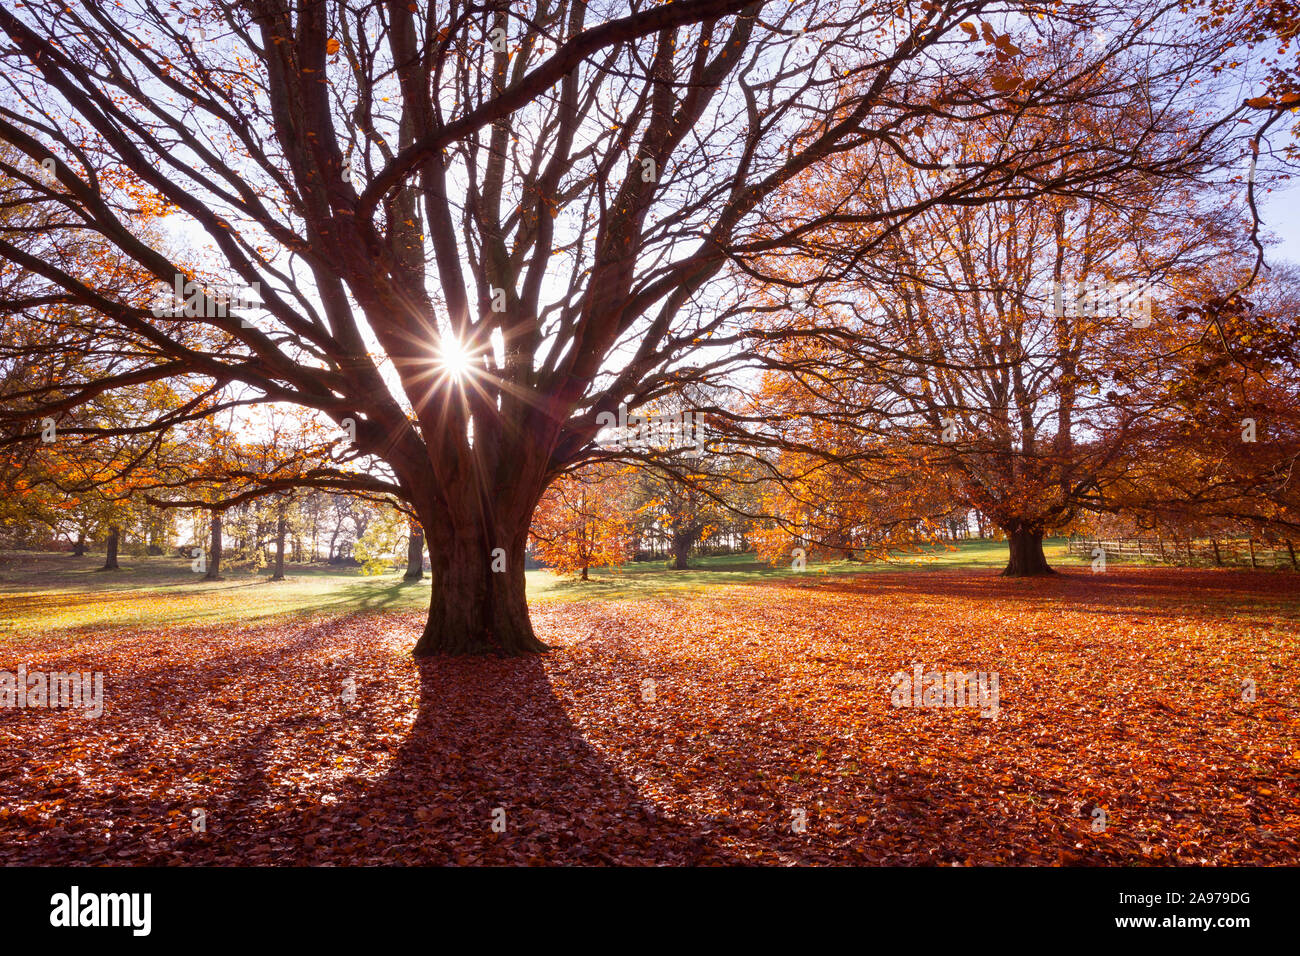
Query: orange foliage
(582, 522)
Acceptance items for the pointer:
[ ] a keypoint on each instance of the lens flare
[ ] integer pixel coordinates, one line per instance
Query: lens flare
(454, 359)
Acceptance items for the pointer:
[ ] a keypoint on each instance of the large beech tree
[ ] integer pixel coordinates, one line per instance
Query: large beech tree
(1000, 352)
(476, 227)
(965, 370)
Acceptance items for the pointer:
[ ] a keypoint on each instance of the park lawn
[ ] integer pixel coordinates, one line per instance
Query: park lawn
(43, 593)
(653, 579)
(49, 593)
(699, 727)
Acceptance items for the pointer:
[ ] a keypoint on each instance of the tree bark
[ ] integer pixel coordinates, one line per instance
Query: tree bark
(415, 554)
(110, 558)
(279, 546)
(1026, 558)
(79, 548)
(478, 604)
(154, 532)
(214, 549)
(683, 541)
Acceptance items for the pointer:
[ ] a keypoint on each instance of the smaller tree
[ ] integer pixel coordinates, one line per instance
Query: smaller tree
(385, 533)
(583, 521)
(414, 552)
(281, 531)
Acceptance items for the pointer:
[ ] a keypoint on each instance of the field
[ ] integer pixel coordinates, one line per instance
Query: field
(734, 714)
(41, 593)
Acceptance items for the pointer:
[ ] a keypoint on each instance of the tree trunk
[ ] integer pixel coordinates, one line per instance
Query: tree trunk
(79, 548)
(1027, 558)
(1218, 559)
(110, 559)
(214, 550)
(415, 554)
(153, 532)
(279, 547)
(478, 604)
(682, 542)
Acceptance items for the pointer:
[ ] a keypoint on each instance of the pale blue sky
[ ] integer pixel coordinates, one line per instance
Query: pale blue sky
(1281, 213)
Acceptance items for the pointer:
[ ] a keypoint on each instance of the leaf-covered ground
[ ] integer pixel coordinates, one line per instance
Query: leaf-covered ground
(1120, 690)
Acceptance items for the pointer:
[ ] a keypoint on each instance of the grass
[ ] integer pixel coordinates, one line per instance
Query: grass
(653, 579)
(42, 593)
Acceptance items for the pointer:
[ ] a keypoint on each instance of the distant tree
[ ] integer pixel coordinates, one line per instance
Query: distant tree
(988, 352)
(414, 552)
(385, 533)
(584, 521)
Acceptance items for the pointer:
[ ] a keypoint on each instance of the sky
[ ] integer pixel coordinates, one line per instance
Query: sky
(1281, 214)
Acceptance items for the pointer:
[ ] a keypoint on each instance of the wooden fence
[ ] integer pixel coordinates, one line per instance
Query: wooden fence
(1211, 552)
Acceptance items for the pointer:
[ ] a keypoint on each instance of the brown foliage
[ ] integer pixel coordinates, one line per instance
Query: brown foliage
(765, 701)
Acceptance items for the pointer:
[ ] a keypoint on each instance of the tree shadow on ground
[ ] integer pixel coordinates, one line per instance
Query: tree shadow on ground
(493, 771)
(179, 732)
(490, 743)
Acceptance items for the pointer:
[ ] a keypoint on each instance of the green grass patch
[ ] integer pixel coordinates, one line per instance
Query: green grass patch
(42, 593)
